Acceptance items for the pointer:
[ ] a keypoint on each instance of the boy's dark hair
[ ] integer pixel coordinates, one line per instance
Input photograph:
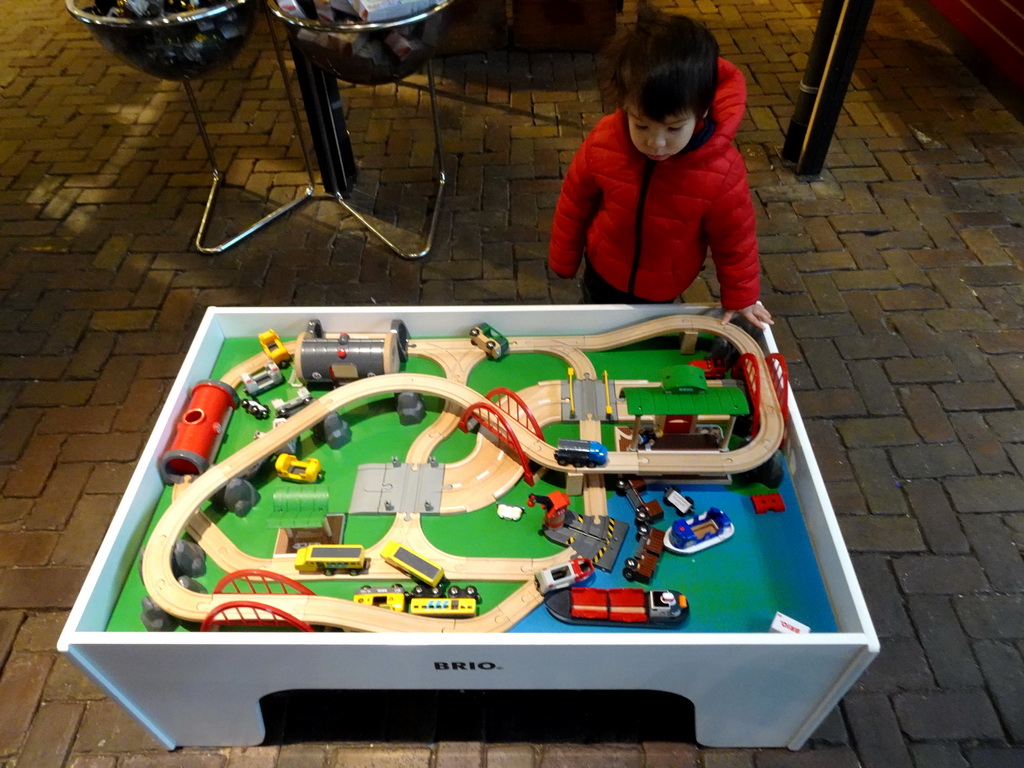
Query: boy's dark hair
(665, 65)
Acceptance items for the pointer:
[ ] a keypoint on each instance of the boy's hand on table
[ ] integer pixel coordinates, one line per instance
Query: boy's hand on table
(756, 314)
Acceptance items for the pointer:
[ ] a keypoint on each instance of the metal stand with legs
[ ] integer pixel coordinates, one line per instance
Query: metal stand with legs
(326, 117)
(218, 175)
(435, 214)
(323, 54)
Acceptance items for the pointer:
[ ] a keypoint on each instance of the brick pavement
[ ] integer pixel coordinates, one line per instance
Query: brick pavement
(895, 278)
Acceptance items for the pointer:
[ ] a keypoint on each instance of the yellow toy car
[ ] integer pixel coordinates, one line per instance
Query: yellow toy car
(274, 347)
(289, 467)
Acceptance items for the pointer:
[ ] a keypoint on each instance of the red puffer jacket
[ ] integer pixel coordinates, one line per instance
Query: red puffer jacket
(694, 200)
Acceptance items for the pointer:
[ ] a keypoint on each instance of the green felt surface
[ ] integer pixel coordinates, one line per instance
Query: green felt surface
(767, 566)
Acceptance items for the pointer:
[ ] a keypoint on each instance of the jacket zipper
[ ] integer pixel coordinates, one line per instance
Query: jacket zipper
(638, 234)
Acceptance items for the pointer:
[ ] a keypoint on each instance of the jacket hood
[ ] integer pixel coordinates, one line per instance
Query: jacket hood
(705, 130)
(726, 113)
(730, 100)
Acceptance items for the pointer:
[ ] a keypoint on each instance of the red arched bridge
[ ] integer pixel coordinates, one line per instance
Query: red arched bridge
(493, 412)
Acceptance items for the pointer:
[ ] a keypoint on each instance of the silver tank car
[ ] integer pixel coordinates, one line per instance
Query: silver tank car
(328, 360)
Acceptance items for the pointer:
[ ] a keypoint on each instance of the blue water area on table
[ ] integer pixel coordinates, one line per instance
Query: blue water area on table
(768, 565)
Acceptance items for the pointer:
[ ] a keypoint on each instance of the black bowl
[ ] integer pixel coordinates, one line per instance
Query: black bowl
(179, 46)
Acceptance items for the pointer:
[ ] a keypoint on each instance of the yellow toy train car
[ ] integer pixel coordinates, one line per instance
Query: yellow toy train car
(443, 607)
(453, 603)
(331, 558)
(407, 561)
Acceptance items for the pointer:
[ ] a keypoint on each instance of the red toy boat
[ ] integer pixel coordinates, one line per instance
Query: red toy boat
(655, 608)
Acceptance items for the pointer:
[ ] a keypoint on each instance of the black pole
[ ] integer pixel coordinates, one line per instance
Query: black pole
(824, 34)
(833, 55)
(326, 118)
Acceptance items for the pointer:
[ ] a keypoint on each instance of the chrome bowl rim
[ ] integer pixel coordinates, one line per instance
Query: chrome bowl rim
(157, 22)
(353, 26)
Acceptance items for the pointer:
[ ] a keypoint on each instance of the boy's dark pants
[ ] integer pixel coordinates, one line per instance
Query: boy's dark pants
(596, 290)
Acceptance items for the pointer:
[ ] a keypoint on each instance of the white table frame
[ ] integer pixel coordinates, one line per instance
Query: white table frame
(192, 689)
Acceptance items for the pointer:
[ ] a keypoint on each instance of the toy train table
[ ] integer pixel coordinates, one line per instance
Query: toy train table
(367, 498)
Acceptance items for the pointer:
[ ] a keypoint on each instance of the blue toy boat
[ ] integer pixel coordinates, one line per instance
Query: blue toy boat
(696, 532)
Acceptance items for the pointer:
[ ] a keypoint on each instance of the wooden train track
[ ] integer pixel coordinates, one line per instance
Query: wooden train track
(456, 358)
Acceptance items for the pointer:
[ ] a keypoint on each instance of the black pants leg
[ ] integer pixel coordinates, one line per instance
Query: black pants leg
(597, 290)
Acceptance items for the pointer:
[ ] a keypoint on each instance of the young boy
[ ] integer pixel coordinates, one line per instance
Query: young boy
(659, 182)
